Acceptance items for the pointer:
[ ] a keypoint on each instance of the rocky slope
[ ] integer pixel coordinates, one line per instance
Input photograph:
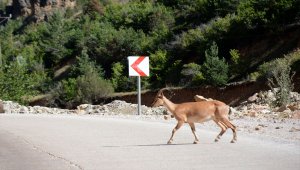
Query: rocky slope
(37, 9)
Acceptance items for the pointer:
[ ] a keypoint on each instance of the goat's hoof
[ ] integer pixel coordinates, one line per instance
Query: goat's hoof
(169, 142)
(216, 140)
(233, 141)
(196, 142)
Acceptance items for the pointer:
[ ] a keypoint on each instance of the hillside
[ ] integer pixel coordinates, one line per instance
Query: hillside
(76, 51)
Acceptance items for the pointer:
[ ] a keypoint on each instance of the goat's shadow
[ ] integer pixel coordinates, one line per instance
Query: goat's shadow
(151, 145)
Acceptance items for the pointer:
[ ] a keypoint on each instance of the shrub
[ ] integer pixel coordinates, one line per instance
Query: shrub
(158, 62)
(119, 80)
(238, 65)
(17, 83)
(267, 13)
(282, 79)
(215, 70)
(192, 74)
(91, 87)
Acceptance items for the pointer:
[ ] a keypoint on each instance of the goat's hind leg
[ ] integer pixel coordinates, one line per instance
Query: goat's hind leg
(223, 129)
(232, 127)
(179, 124)
(193, 128)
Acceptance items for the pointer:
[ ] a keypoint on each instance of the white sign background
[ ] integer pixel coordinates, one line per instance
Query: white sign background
(143, 65)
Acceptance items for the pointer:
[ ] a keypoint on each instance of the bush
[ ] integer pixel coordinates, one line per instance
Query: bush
(158, 62)
(282, 79)
(268, 13)
(147, 16)
(91, 87)
(238, 65)
(215, 70)
(18, 83)
(119, 80)
(86, 86)
(192, 74)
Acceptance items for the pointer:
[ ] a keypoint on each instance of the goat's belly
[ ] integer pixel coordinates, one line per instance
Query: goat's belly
(195, 119)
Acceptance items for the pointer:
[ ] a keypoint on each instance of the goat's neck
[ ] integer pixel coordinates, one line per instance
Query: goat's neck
(169, 105)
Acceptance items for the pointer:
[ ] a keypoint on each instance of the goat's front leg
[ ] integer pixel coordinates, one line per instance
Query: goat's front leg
(193, 128)
(179, 124)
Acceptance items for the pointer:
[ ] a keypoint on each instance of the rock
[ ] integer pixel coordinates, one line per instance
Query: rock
(282, 108)
(294, 106)
(251, 113)
(39, 9)
(167, 117)
(270, 96)
(82, 106)
(253, 98)
(295, 96)
(293, 129)
(296, 114)
(24, 110)
(257, 128)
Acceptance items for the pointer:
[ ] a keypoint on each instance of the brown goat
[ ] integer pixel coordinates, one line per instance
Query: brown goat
(197, 112)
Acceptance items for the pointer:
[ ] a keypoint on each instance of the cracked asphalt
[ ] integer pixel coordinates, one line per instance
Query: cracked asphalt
(63, 142)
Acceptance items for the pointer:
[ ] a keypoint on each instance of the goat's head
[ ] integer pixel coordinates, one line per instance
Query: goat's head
(158, 100)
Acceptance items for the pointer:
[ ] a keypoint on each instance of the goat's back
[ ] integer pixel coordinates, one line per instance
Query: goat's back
(203, 109)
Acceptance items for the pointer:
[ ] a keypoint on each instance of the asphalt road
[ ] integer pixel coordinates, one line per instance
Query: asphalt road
(63, 142)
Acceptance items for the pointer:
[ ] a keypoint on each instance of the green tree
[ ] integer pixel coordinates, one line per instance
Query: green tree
(215, 70)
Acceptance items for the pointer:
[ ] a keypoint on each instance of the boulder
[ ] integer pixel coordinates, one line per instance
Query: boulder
(296, 114)
(253, 98)
(39, 9)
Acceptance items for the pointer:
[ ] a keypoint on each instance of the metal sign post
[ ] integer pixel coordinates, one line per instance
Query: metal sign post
(138, 66)
(139, 94)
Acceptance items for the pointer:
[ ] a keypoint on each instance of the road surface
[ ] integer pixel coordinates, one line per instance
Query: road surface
(72, 142)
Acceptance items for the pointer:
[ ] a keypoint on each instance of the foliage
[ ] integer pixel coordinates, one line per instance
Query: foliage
(3, 4)
(194, 13)
(282, 79)
(119, 81)
(192, 75)
(158, 62)
(215, 70)
(94, 40)
(238, 65)
(87, 87)
(17, 83)
(93, 8)
(146, 16)
(268, 13)
(279, 74)
(91, 87)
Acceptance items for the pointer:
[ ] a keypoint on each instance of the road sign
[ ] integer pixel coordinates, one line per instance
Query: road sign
(138, 65)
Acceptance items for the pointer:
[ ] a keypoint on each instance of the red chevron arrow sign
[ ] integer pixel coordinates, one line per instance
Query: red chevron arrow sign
(138, 65)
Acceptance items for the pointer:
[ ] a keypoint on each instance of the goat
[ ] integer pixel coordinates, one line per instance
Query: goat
(197, 112)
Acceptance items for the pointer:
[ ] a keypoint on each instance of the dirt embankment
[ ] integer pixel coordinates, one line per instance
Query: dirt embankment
(232, 94)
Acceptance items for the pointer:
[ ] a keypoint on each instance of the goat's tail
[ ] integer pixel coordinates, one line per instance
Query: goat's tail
(230, 112)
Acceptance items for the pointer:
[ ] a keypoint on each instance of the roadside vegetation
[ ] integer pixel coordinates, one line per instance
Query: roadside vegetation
(190, 43)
